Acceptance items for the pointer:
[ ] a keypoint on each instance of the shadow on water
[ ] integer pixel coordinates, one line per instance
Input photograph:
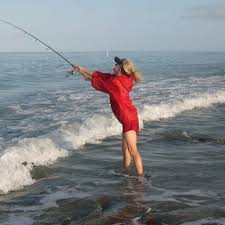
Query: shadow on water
(126, 206)
(129, 205)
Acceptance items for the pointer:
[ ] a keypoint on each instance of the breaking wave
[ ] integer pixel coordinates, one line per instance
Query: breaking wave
(16, 162)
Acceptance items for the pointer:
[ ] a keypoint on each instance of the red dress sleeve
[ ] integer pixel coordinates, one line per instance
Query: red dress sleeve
(103, 81)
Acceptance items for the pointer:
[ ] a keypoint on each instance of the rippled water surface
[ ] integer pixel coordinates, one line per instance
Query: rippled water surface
(60, 145)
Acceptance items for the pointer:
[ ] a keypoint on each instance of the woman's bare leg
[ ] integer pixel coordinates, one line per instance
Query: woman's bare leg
(131, 141)
(126, 155)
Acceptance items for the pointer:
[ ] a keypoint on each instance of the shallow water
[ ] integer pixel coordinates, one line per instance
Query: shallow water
(60, 146)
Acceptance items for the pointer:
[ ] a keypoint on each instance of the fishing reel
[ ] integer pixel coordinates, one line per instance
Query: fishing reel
(69, 73)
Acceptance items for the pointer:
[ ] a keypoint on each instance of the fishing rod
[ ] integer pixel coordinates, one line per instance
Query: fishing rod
(37, 39)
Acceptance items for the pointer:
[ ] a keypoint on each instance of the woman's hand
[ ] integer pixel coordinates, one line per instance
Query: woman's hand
(72, 70)
(79, 69)
(83, 71)
(75, 68)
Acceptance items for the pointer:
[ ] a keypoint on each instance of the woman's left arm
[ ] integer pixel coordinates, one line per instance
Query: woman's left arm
(100, 81)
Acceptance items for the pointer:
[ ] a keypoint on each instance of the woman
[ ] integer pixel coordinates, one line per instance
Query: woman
(118, 86)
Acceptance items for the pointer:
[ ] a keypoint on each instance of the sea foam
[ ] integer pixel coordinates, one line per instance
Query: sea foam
(166, 110)
(17, 161)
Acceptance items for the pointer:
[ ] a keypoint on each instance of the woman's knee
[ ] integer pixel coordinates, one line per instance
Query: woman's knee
(134, 153)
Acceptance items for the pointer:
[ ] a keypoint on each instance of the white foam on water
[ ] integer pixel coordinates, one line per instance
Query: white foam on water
(62, 99)
(16, 162)
(20, 111)
(167, 110)
(15, 173)
(43, 151)
(92, 131)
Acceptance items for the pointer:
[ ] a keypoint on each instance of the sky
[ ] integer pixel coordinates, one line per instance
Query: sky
(112, 25)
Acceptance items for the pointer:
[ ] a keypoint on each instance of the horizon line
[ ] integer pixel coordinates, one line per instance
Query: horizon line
(83, 51)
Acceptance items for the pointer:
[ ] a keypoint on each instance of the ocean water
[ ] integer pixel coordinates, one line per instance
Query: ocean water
(60, 145)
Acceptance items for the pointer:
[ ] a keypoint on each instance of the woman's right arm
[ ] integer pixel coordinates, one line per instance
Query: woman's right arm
(86, 73)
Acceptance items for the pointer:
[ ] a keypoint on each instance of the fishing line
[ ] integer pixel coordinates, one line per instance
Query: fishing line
(37, 39)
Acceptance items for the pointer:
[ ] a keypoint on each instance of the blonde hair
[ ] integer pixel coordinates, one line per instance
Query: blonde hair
(130, 69)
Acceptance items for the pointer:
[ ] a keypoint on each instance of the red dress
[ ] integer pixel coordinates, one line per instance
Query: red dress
(118, 88)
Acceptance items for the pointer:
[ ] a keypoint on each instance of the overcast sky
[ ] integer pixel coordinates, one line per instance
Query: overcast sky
(90, 25)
